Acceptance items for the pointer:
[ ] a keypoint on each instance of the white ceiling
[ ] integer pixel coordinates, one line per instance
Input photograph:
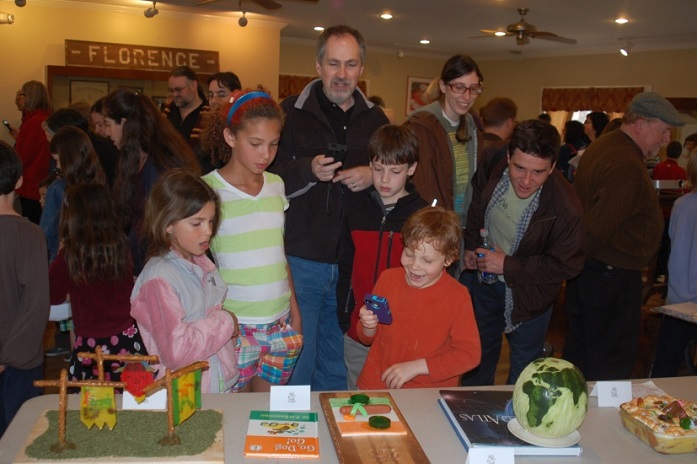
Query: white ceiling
(449, 24)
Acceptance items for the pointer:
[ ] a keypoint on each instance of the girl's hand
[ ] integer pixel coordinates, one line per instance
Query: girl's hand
(368, 318)
(398, 374)
(236, 324)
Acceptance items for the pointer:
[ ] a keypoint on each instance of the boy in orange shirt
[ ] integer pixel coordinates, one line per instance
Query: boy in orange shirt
(433, 338)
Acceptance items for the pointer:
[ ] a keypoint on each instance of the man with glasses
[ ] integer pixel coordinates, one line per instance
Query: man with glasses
(534, 221)
(188, 109)
(624, 224)
(330, 111)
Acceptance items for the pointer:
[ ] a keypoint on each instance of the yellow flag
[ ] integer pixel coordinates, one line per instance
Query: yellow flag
(98, 406)
(186, 396)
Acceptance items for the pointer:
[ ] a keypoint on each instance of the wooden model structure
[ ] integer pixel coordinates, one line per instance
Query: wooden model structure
(63, 383)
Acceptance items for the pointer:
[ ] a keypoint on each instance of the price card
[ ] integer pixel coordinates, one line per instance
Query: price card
(490, 455)
(290, 398)
(613, 394)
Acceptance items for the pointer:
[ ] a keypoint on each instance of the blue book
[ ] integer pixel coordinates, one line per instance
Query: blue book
(480, 419)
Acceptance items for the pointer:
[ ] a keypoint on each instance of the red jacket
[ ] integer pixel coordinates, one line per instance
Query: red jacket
(32, 147)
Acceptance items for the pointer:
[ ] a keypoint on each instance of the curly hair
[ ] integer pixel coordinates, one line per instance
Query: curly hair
(437, 226)
(213, 137)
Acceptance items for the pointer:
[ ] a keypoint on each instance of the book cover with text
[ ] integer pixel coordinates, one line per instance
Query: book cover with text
(480, 418)
(279, 434)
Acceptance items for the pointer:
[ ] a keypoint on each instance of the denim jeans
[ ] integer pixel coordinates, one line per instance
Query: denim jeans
(526, 342)
(321, 362)
(16, 387)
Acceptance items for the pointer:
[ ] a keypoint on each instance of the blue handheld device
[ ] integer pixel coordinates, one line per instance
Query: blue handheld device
(379, 306)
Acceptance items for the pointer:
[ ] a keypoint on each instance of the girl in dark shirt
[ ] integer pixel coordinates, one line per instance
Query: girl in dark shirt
(94, 268)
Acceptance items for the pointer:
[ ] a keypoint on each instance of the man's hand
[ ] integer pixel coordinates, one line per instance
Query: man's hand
(490, 261)
(398, 374)
(324, 167)
(356, 179)
(470, 260)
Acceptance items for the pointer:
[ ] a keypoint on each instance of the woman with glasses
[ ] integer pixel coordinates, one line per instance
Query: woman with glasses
(31, 145)
(448, 139)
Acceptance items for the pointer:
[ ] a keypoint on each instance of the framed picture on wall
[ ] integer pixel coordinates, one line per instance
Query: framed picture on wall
(416, 92)
(87, 91)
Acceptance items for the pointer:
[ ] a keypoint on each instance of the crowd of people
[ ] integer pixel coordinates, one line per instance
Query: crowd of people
(228, 228)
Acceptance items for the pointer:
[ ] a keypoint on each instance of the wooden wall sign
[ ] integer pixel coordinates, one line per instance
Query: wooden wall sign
(123, 56)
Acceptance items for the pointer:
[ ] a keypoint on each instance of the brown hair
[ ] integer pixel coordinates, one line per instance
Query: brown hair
(392, 144)
(437, 226)
(145, 129)
(692, 171)
(458, 66)
(497, 111)
(79, 162)
(176, 195)
(213, 138)
(94, 244)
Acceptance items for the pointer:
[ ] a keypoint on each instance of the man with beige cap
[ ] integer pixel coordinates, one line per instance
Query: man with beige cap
(623, 224)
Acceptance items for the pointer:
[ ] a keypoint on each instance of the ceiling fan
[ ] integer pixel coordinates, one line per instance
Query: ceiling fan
(524, 31)
(268, 4)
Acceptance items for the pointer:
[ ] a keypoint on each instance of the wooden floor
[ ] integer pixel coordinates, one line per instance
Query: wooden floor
(555, 336)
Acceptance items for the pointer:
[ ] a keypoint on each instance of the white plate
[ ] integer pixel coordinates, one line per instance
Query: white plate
(561, 442)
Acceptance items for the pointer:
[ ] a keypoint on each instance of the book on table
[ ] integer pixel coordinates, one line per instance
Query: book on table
(281, 434)
(480, 419)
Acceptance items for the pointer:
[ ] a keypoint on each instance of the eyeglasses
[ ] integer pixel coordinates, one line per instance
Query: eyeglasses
(218, 94)
(459, 89)
(21, 94)
(179, 89)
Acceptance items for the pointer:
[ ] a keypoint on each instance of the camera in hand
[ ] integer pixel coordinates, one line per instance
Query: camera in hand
(379, 306)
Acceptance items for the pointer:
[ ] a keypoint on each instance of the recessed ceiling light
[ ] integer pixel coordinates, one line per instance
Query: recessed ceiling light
(499, 33)
(621, 20)
(424, 41)
(386, 15)
(319, 28)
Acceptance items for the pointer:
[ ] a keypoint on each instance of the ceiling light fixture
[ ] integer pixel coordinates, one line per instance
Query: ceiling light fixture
(400, 53)
(243, 21)
(621, 20)
(424, 41)
(625, 50)
(500, 34)
(7, 18)
(386, 15)
(20, 3)
(319, 28)
(152, 11)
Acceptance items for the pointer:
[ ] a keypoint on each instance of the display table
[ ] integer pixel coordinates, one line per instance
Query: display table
(603, 438)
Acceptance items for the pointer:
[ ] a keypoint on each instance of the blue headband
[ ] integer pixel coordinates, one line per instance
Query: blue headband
(243, 99)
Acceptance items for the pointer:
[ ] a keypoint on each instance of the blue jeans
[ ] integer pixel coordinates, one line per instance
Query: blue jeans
(321, 362)
(16, 387)
(526, 342)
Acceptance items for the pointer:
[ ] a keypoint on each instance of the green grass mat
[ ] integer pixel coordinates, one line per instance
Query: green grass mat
(136, 433)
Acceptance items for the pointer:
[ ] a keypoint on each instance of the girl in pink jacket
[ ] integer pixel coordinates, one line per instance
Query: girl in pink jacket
(177, 299)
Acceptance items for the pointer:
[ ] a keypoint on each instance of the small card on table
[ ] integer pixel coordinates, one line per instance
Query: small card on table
(490, 455)
(290, 398)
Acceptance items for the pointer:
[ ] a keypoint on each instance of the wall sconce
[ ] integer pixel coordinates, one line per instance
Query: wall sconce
(7, 18)
(20, 3)
(625, 50)
(152, 11)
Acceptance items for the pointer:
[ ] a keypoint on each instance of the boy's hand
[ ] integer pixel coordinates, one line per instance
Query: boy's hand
(398, 374)
(368, 318)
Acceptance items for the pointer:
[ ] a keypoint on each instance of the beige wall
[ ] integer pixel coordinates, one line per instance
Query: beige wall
(665, 72)
(255, 53)
(36, 39)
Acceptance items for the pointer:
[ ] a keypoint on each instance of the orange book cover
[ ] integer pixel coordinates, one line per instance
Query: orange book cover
(279, 434)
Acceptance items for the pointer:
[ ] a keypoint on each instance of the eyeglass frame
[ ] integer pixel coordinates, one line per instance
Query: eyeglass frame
(178, 90)
(466, 89)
